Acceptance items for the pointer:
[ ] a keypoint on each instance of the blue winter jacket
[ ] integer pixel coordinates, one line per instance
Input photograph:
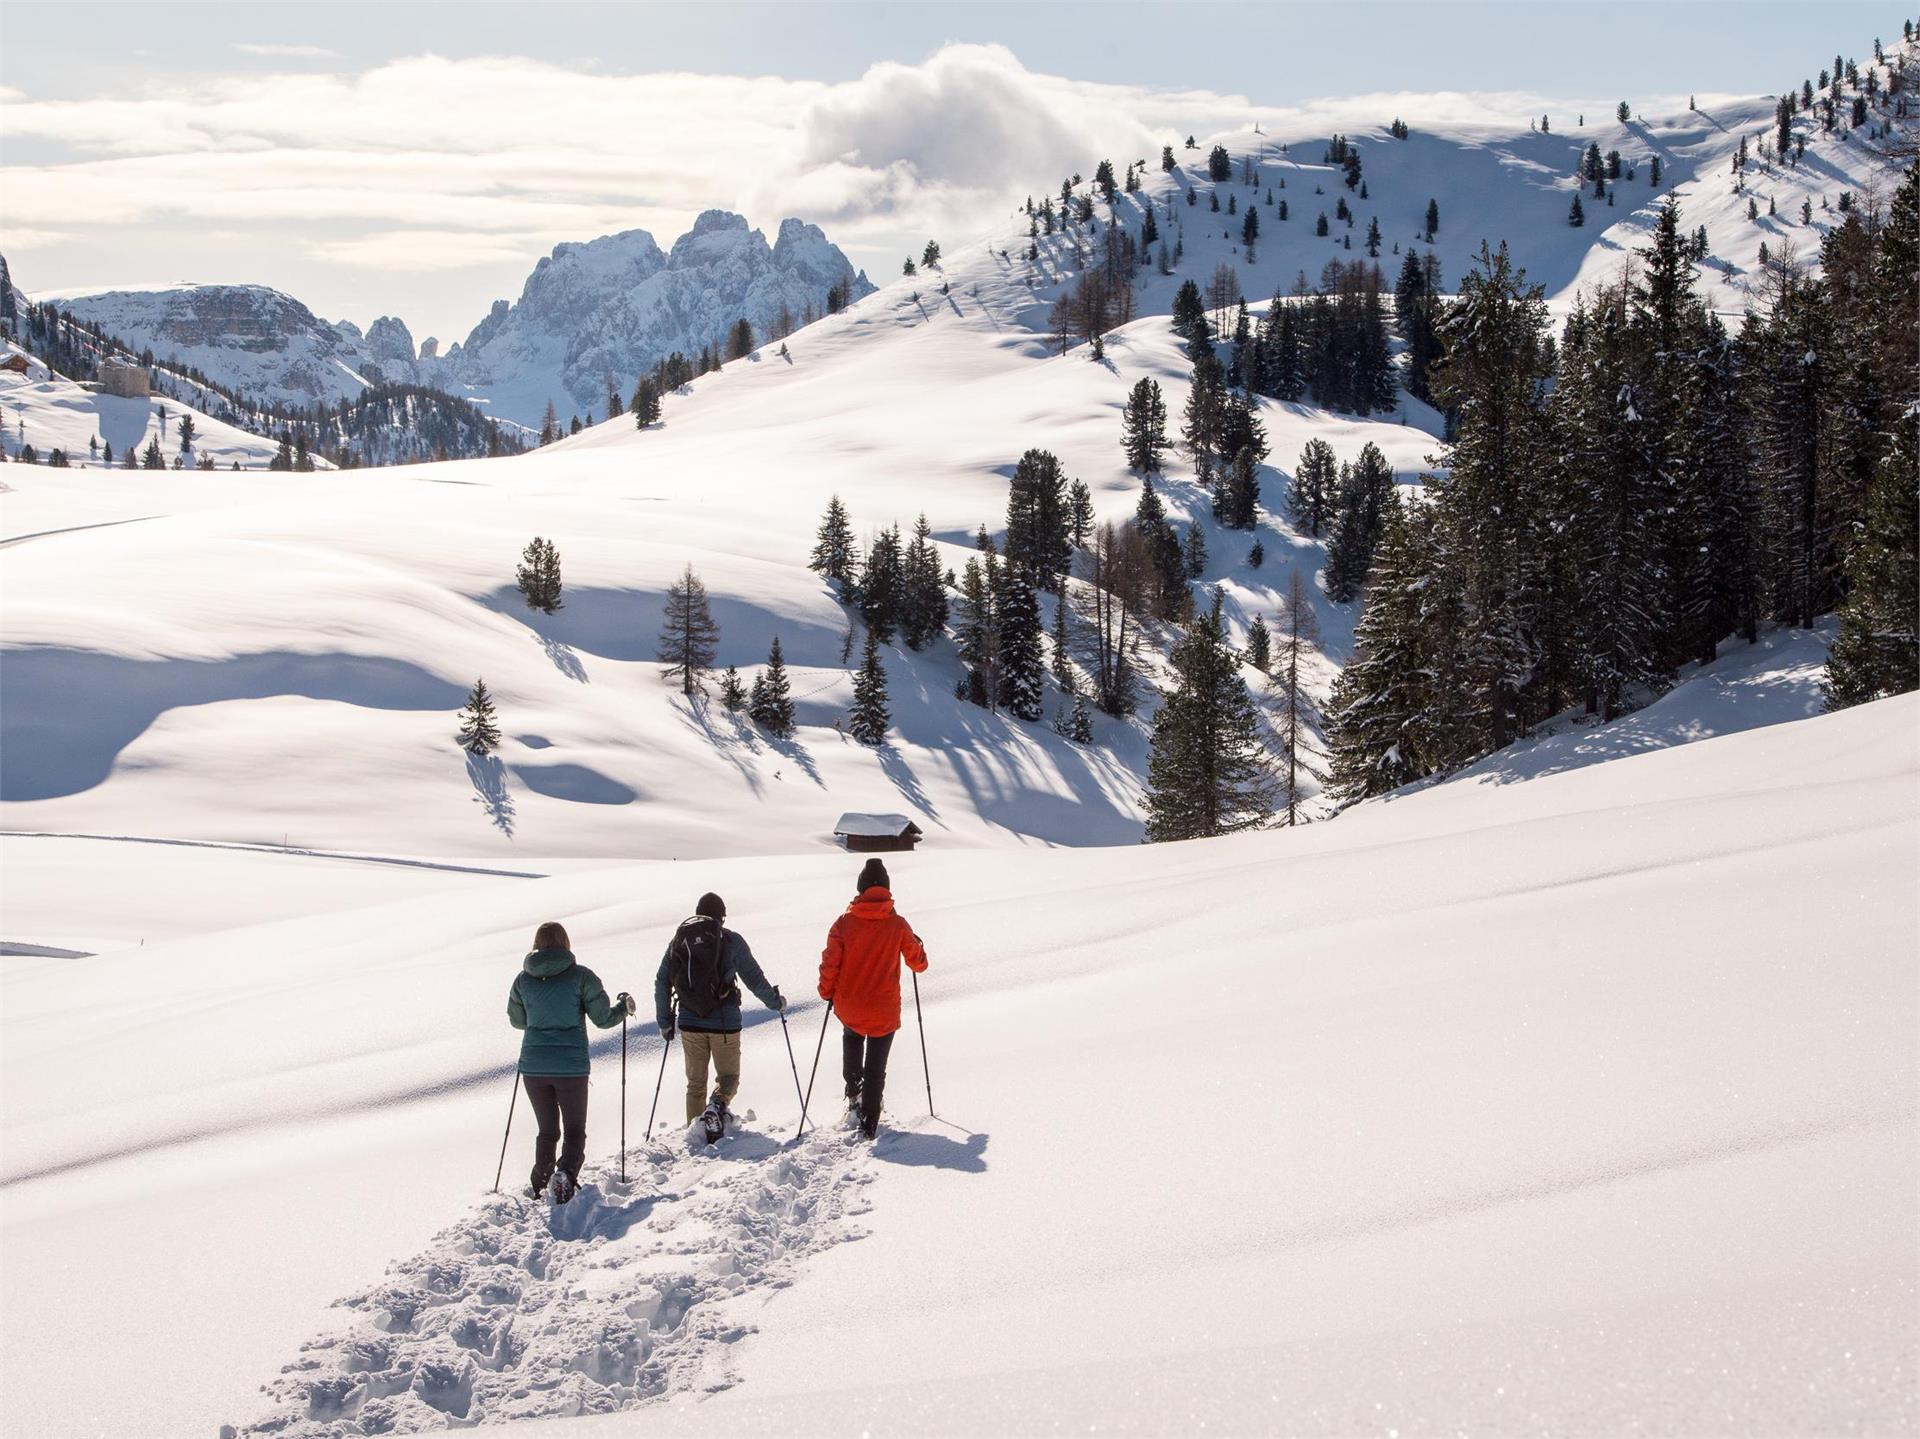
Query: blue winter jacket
(552, 998)
(737, 961)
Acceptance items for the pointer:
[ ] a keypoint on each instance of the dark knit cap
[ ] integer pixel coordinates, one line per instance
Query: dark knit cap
(872, 873)
(712, 906)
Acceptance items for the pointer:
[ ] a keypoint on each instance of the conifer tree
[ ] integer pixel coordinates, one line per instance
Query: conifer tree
(1259, 645)
(1022, 659)
(1143, 426)
(833, 549)
(1433, 219)
(1080, 725)
(1164, 554)
(1298, 637)
(151, 458)
(646, 403)
(1062, 666)
(1498, 358)
(1577, 216)
(1366, 490)
(1394, 702)
(1080, 505)
(538, 576)
(1238, 495)
(688, 635)
(977, 629)
(923, 605)
(1195, 551)
(733, 694)
(1207, 772)
(1038, 541)
(770, 705)
(870, 716)
(478, 734)
(1877, 650)
(881, 594)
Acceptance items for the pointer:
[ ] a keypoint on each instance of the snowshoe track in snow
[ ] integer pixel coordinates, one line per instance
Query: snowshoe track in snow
(525, 1310)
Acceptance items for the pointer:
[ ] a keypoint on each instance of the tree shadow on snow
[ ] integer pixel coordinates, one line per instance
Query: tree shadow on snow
(933, 1151)
(489, 778)
(564, 659)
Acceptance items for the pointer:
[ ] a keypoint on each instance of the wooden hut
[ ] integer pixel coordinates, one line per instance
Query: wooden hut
(866, 832)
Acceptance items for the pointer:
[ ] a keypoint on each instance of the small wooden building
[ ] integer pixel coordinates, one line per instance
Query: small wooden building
(16, 363)
(867, 832)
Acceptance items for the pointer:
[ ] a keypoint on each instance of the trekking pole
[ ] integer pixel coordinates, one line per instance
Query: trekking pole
(787, 1035)
(513, 1098)
(806, 1100)
(673, 1015)
(623, 1094)
(922, 1021)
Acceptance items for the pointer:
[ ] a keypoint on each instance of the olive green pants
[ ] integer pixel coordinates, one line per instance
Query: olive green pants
(724, 1051)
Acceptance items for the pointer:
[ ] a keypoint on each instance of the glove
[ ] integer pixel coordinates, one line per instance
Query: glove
(666, 1034)
(779, 1000)
(626, 1001)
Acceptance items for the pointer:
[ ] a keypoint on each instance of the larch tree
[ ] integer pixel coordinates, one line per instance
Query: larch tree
(689, 638)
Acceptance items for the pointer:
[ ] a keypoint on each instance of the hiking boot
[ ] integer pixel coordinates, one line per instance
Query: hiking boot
(564, 1186)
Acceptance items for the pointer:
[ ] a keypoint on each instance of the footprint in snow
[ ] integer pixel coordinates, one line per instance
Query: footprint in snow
(524, 1310)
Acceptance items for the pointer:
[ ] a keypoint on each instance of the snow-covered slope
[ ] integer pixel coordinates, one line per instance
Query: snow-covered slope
(1585, 1104)
(49, 412)
(323, 630)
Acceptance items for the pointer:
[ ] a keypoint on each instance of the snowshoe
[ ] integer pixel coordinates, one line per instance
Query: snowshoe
(562, 1187)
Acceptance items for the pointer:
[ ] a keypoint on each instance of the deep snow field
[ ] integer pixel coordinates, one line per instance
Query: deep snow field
(1576, 1093)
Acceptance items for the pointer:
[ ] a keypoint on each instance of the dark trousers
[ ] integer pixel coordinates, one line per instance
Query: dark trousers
(558, 1100)
(863, 1064)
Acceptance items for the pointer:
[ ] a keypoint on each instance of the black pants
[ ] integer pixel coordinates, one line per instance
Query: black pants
(557, 1099)
(863, 1064)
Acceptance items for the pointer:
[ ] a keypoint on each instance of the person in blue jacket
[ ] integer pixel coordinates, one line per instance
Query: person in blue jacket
(702, 969)
(552, 998)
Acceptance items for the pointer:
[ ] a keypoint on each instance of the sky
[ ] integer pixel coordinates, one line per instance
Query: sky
(416, 159)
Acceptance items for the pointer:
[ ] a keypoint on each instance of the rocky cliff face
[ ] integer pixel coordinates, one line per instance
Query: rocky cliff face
(258, 341)
(616, 306)
(609, 307)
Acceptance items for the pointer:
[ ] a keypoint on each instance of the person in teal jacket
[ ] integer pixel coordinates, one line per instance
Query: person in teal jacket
(551, 999)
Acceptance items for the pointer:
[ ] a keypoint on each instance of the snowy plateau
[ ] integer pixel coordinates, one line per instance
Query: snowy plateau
(1574, 1093)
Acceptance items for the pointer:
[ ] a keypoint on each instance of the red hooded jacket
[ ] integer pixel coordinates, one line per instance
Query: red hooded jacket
(860, 967)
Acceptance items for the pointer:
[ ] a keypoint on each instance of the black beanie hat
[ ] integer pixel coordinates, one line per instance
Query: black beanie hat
(873, 873)
(712, 906)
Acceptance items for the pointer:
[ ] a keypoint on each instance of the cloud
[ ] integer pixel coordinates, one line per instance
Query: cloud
(427, 162)
(290, 52)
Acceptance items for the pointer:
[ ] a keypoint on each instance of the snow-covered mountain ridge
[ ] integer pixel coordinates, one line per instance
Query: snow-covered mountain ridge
(608, 307)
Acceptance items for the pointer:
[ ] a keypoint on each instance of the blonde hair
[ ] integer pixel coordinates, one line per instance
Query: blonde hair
(551, 935)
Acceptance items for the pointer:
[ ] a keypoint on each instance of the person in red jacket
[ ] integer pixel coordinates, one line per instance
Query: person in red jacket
(860, 973)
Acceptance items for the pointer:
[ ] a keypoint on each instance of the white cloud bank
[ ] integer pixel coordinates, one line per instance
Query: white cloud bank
(429, 163)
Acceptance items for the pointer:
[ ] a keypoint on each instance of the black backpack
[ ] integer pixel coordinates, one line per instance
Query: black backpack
(699, 972)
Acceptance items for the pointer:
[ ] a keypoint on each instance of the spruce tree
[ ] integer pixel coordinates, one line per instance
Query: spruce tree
(1238, 494)
(1080, 726)
(770, 705)
(833, 549)
(1366, 490)
(881, 593)
(1207, 772)
(688, 635)
(1143, 426)
(923, 606)
(1195, 551)
(976, 628)
(646, 403)
(1877, 651)
(1080, 507)
(733, 694)
(1022, 658)
(870, 716)
(1038, 541)
(1259, 645)
(478, 734)
(538, 576)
